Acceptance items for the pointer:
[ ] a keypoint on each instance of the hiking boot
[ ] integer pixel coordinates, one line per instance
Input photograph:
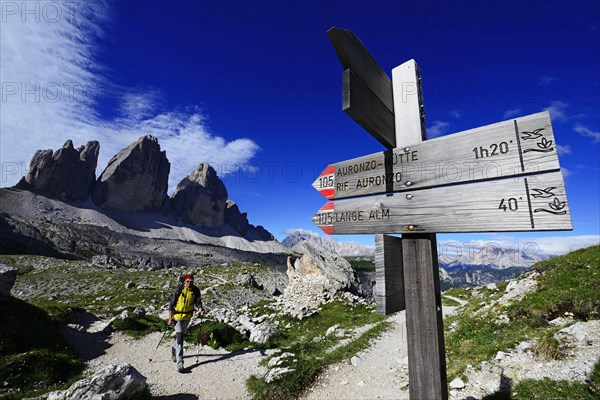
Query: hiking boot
(173, 357)
(180, 367)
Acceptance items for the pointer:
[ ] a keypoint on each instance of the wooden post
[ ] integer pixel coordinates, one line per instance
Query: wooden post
(424, 327)
(427, 377)
(389, 290)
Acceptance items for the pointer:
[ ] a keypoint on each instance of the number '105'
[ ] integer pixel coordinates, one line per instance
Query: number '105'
(326, 181)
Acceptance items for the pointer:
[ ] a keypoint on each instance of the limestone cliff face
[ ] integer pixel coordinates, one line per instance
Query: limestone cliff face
(67, 174)
(236, 219)
(200, 198)
(136, 179)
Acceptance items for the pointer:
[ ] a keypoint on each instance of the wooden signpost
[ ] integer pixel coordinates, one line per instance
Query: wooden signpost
(528, 203)
(510, 148)
(503, 177)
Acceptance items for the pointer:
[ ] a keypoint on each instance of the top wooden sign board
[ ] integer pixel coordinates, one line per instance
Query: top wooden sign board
(521, 146)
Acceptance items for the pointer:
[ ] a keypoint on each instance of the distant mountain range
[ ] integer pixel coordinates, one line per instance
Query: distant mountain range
(325, 244)
(491, 256)
(474, 266)
(483, 265)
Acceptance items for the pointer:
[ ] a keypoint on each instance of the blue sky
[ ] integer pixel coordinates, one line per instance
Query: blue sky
(255, 89)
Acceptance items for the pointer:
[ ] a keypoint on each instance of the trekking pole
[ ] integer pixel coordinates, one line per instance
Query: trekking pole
(160, 341)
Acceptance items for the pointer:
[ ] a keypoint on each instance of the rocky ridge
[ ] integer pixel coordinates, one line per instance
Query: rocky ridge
(67, 174)
(200, 198)
(136, 180)
(325, 244)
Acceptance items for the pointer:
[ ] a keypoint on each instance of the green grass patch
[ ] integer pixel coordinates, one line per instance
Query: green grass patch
(139, 325)
(218, 335)
(548, 347)
(309, 363)
(461, 293)
(362, 263)
(568, 283)
(313, 350)
(34, 357)
(547, 389)
(446, 301)
(59, 313)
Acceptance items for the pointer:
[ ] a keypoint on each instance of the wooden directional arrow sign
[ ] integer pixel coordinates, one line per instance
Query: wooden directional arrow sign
(367, 90)
(527, 203)
(511, 148)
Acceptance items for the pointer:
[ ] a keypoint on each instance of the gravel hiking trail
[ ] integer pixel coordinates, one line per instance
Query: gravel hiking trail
(378, 372)
(208, 374)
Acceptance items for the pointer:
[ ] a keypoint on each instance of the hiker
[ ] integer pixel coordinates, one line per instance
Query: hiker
(181, 307)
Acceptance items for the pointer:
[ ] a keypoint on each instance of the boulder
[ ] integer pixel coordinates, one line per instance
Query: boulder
(67, 174)
(8, 276)
(315, 278)
(575, 333)
(114, 382)
(263, 332)
(247, 280)
(457, 383)
(200, 198)
(136, 179)
(257, 332)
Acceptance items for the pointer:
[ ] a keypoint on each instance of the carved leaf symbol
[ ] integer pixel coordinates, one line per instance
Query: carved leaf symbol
(543, 193)
(557, 204)
(526, 135)
(545, 143)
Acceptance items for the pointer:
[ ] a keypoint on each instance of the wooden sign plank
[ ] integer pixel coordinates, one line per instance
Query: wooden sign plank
(364, 107)
(510, 148)
(367, 89)
(527, 203)
(354, 55)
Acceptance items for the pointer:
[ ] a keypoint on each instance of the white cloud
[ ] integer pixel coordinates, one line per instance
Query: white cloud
(566, 172)
(587, 132)
(512, 112)
(557, 110)
(141, 105)
(541, 246)
(51, 86)
(563, 150)
(438, 128)
(546, 80)
(455, 114)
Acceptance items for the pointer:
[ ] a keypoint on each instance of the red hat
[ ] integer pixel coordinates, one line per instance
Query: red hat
(188, 276)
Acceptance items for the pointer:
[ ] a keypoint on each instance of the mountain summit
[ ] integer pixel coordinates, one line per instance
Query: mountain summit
(325, 244)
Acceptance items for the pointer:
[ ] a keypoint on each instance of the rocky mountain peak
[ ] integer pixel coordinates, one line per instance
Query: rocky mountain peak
(67, 174)
(325, 244)
(136, 179)
(200, 198)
